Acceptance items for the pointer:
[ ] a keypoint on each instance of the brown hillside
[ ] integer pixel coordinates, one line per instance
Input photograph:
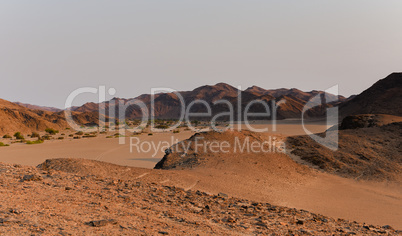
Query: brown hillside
(368, 120)
(366, 153)
(14, 117)
(384, 97)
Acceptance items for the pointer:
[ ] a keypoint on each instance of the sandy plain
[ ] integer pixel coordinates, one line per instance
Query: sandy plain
(369, 202)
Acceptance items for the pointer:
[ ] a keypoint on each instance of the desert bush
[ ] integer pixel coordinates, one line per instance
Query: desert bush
(18, 135)
(79, 133)
(60, 138)
(77, 137)
(46, 137)
(3, 145)
(51, 131)
(176, 131)
(35, 142)
(35, 135)
(150, 134)
(162, 126)
(70, 135)
(7, 136)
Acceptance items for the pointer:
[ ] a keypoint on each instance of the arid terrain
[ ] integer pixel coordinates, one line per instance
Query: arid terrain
(81, 197)
(56, 180)
(272, 178)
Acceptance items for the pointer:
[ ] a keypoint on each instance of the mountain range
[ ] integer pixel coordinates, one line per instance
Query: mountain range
(168, 105)
(384, 97)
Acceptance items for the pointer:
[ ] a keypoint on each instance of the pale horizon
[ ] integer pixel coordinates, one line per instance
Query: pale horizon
(48, 49)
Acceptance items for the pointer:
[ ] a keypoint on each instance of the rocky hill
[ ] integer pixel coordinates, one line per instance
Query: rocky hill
(17, 118)
(373, 153)
(384, 97)
(368, 120)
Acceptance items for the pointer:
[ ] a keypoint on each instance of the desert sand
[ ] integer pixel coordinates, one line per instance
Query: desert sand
(85, 197)
(276, 179)
(109, 150)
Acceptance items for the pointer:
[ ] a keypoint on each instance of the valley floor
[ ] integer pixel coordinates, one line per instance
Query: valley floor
(67, 196)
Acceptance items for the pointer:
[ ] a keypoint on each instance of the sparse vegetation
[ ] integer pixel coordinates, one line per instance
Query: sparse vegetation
(79, 133)
(34, 142)
(35, 135)
(18, 135)
(7, 136)
(150, 134)
(3, 145)
(176, 131)
(60, 138)
(162, 126)
(51, 131)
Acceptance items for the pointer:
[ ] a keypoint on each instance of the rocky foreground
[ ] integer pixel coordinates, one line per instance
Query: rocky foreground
(36, 201)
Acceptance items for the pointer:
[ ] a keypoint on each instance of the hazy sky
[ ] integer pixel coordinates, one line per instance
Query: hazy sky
(50, 48)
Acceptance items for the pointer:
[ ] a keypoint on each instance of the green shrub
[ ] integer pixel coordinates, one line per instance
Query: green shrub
(51, 131)
(176, 131)
(35, 135)
(70, 135)
(61, 138)
(3, 145)
(18, 135)
(35, 142)
(79, 133)
(77, 137)
(7, 136)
